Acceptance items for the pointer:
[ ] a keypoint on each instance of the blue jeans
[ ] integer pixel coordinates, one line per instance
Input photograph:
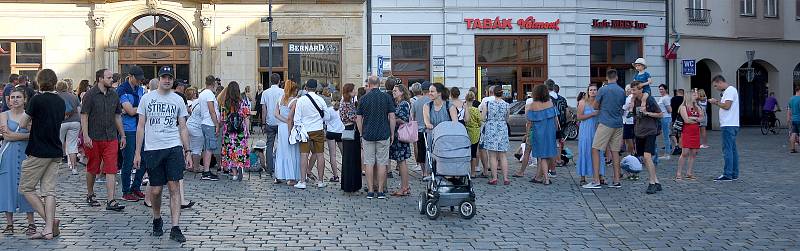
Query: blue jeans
(271, 132)
(729, 151)
(666, 127)
(127, 166)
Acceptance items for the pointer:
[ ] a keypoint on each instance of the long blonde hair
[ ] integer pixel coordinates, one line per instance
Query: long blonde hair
(701, 93)
(689, 100)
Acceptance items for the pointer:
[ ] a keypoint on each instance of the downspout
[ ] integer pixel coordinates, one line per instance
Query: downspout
(369, 37)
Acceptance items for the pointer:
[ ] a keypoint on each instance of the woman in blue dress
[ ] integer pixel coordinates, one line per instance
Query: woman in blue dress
(587, 116)
(287, 156)
(544, 123)
(13, 153)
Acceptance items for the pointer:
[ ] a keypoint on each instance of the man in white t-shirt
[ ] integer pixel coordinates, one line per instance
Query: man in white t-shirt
(269, 104)
(210, 127)
(309, 113)
(665, 105)
(162, 131)
(729, 123)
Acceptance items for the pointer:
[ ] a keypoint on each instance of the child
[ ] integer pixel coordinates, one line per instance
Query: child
(632, 166)
(643, 77)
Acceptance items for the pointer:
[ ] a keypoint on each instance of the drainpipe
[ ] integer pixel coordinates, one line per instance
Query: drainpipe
(671, 21)
(369, 37)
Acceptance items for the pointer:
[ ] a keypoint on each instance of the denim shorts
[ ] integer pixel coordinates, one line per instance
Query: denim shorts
(210, 142)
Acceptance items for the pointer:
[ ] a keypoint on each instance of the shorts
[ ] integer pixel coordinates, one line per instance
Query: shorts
(105, 153)
(196, 141)
(164, 165)
(646, 145)
(69, 136)
(473, 150)
(606, 137)
(315, 144)
(333, 136)
(795, 127)
(421, 149)
(375, 152)
(210, 142)
(627, 132)
(34, 170)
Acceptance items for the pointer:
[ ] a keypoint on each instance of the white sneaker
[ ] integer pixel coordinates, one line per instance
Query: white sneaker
(704, 146)
(74, 171)
(300, 185)
(592, 185)
(664, 157)
(417, 168)
(321, 184)
(427, 178)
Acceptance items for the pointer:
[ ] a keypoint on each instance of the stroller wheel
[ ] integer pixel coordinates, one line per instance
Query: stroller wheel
(467, 209)
(421, 202)
(432, 209)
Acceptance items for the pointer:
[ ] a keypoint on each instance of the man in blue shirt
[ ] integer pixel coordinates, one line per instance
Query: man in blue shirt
(609, 101)
(130, 92)
(793, 115)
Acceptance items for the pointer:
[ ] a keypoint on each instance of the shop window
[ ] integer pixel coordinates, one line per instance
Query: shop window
(613, 53)
(411, 59)
(771, 8)
(22, 57)
(747, 8)
(277, 54)
(321, 60)
(514, 63)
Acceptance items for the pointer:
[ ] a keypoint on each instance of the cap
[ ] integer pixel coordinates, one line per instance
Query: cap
(311, 83)
(640, 61)
(136, 72)
(166, 70)
(426, 85)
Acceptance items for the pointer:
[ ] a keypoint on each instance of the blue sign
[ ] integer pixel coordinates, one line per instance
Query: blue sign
(380, 66)
(689, 67)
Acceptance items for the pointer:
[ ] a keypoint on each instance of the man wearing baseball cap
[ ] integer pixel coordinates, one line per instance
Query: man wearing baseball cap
(163, 133)
(130, 92)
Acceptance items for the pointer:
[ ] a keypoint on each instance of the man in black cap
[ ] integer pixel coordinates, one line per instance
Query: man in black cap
(163, 133)
(130, 92)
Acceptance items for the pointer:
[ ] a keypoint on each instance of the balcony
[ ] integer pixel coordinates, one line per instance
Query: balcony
(700, 17)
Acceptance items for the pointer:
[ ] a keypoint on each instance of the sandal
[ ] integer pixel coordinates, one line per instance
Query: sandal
(534, 180)
(56, 228)
(187, 206)
(506, 182)
(9, 229)
(403, 192)
(41, 236)
(145, 204)
(30, 229)
(677, 178)
(277, 181)
(691, 177)
(517, 175)
(334, 179)
(90, 199)
(493, 182)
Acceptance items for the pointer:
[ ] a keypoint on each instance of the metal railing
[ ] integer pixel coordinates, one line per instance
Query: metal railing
(699, 16)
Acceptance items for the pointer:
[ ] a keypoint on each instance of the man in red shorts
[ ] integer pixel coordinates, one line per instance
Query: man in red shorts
(101, 122)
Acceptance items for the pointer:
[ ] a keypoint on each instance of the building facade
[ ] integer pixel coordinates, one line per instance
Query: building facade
(517, 44)
(224, 38)
(717, 37)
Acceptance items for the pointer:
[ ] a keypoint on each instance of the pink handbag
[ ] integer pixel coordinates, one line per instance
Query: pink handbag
(407, 133)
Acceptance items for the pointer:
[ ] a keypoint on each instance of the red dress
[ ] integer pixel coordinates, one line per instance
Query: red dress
(690, 138)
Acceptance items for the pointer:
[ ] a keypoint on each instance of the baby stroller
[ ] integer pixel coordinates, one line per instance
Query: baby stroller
(450, 184)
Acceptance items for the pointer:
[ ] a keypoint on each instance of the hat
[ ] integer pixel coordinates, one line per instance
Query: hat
(311, 83)
(426, 85)
(640, 61)
(166, 70)
(136, 72)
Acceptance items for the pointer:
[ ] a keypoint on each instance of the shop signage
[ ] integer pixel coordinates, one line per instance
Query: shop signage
(618, 24)
(380, 66)
(313, 48)
(438, 64)
(689, 67)
(498, 23)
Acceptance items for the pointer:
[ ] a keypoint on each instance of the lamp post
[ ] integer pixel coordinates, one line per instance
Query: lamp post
(750, 74)
(272, 37)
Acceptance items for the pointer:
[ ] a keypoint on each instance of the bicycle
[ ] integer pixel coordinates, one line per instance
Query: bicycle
(770, 123)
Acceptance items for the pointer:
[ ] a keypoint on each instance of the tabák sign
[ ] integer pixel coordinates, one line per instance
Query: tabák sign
(618, 24)
(529, 23)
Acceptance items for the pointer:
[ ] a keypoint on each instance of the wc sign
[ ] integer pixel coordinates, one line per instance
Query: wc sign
(689, 67)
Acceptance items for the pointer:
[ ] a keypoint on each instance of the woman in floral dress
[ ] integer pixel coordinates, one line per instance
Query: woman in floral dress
(400, 151)
(234, 143)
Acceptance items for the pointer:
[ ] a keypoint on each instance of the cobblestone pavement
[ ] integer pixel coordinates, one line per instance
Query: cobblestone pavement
(760, 211)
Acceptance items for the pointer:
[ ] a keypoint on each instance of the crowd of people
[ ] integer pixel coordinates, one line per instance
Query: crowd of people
(151, 132)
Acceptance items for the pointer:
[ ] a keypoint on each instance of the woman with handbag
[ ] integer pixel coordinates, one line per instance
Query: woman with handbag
(287, 155)
(351, 141)
(400, 151)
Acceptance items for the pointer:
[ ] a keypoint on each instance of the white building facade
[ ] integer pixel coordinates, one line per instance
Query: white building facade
(517, 44)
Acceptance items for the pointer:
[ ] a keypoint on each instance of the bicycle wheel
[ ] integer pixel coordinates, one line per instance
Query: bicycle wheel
(777, 129)
(764, 127)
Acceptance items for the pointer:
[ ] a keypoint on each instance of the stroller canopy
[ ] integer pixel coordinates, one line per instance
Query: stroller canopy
(450, 140)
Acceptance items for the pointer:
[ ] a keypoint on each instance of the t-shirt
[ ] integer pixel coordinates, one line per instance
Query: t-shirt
(374, 109)
(129, 123)
(333, 122)
(205, 97)
(627, 117)
(270, 99)
(675, 104)
(46, 112)
(611, 98)
(770, 103)
(419, 105)
(72, 106)
(664, 102)
(729, 117)
(643, 77)
(646, 125)
(161, 112)
(794, 106)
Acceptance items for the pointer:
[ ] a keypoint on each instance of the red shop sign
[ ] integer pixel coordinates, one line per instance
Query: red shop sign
(529, 23)
(618, 24)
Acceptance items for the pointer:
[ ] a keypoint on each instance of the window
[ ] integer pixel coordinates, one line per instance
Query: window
(747, 8)
(613, 53)
(411, 58)
(155, 30)
(22, 57)
(516, 63)
(797, 10)
(697, 13)
(770, 8)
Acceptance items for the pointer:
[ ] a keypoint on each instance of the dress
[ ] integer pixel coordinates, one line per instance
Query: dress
(585, 137)
(13, 153)
(235, 149)
(400, 151)
(287, 156)
(495, 133)
(543, 133)
(351, 151)
(690, 137)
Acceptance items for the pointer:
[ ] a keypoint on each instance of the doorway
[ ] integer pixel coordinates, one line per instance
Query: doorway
(702, 81)
(752, 94)
(151, 70)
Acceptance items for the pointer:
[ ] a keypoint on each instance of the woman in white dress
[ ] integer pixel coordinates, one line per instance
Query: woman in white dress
(287, 156)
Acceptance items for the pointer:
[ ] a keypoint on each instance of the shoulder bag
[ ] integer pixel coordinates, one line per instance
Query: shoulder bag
(408, 132)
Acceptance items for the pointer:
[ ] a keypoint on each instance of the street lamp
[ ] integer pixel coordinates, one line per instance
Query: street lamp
(750, 73)
(272, 37)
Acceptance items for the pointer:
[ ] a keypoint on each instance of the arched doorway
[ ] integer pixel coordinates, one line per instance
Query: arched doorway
(752, 93)
(152, 41)
(706, 69)
(796, 75)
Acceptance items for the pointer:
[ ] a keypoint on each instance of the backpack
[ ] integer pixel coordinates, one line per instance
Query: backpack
(235, 122)
(561, 105)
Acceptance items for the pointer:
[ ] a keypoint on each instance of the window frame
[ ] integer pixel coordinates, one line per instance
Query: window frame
(608, 64)
(767, 9)
(405, 76)
(743, 10)
(16, 68)
(522, 82)
(797, 10)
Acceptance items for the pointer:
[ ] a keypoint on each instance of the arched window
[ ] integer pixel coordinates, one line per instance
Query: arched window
(155, 30)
